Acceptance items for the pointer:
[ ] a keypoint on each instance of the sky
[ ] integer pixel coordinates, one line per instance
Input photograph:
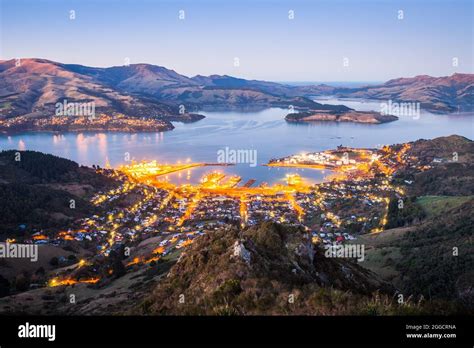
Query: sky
(326, 40)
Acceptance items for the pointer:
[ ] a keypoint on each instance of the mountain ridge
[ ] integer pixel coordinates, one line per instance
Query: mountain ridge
(32, 88)
(444, 94)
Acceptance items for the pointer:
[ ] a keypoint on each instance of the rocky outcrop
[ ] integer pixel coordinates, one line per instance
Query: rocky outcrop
(241, 252)
(255, 271)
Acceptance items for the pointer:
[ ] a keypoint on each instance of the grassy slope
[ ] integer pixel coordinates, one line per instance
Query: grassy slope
(437, 205)
(418, 259)
(383, 249)
(382, 252)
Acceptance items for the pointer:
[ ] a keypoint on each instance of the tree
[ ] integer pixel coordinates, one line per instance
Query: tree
(22, 282)
(54, 261)
(4, 287)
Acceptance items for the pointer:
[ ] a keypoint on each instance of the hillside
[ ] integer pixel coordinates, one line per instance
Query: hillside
(257, 271)
(430, 265)
(266, 269)
(32, 90)
(36, 192)
(427, 247)
(148, 97)
(137, 90)
(444, 94)
(37, 84)
(134, 78)
(167, 86)
(209, 97)
(449, 168)
(421, 259)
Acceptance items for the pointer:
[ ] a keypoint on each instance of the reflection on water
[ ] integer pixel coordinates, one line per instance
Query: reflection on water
(269, 175)
(265, 131)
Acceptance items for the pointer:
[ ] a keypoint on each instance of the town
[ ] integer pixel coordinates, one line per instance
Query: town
(99, 122)
(151, 219)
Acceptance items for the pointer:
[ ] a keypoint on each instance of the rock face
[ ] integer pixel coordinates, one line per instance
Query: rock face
(254, 271)
(241, 252)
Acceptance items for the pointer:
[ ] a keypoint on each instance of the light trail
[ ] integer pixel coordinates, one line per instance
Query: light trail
(70, 281)
(190, 208)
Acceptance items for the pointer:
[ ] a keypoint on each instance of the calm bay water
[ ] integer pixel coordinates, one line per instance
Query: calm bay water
(266, 132)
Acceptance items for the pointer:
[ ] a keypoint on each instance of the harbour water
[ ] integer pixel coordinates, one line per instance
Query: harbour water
(266, 132)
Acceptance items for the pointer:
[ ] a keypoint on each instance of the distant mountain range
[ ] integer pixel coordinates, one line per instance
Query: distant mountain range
(34, 86)
(445, 94)
(37, 85)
